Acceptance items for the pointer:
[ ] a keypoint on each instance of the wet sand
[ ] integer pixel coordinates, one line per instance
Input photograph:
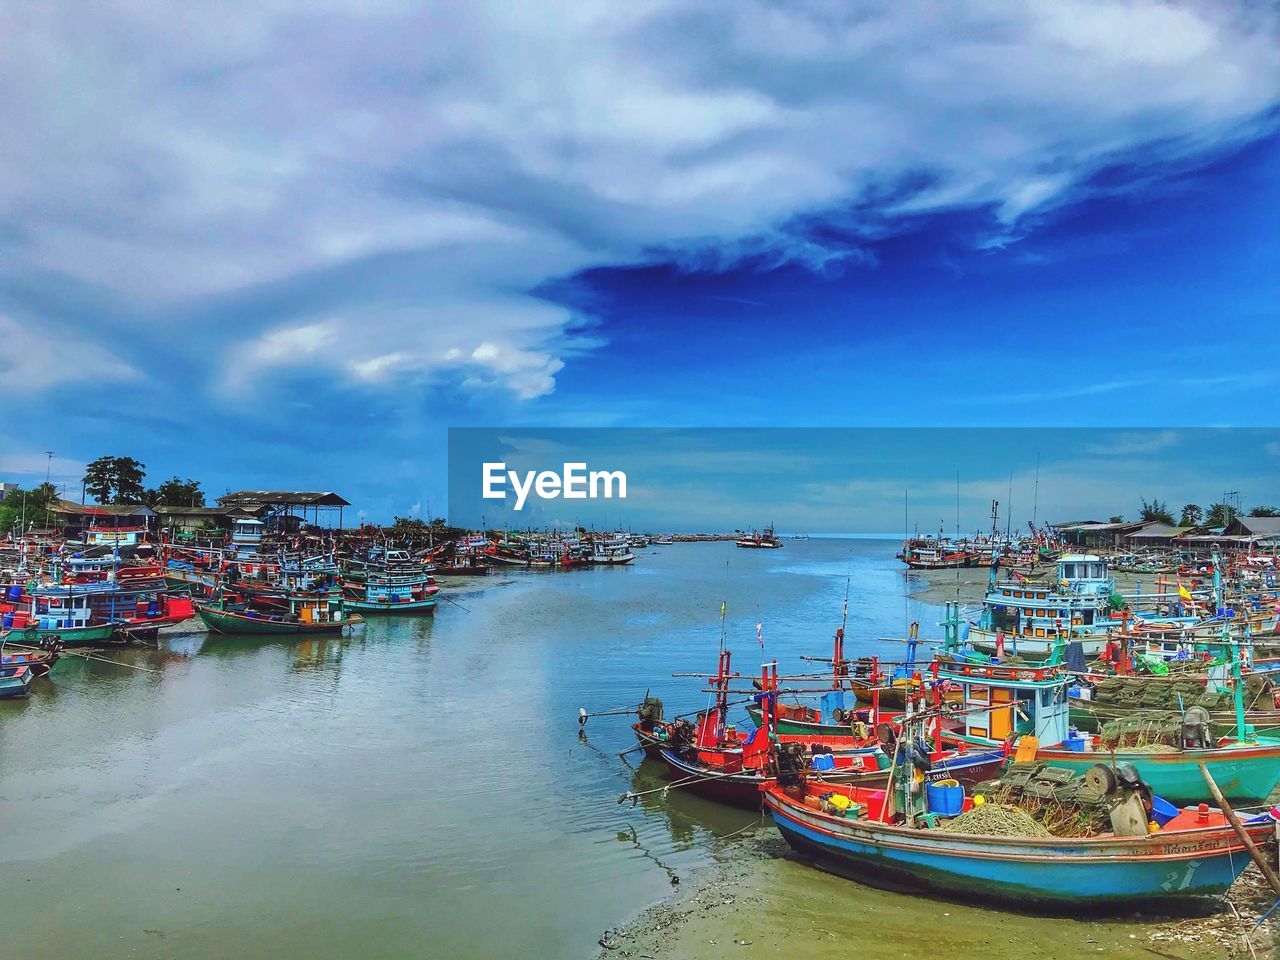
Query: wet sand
(759, 901)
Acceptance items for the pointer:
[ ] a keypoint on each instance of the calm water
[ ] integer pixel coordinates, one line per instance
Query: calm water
(417, 790)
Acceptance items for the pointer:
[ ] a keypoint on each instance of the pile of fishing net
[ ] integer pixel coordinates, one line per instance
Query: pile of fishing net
(1059, 802)
(1142, 733)
(1170, 693)
(997, 820)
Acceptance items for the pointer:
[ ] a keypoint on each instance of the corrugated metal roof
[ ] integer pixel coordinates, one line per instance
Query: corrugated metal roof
(309, 498)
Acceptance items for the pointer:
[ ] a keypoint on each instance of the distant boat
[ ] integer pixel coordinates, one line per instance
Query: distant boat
(799, 536)
(765, 540)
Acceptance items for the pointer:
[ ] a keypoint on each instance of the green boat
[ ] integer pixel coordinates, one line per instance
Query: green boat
(1246, 772)
(296, 615)
(1006, 702)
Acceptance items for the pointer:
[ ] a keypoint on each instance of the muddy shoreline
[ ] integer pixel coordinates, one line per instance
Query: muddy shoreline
(759, 900)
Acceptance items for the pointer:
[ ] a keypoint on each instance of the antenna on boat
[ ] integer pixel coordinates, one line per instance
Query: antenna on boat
(723, 605)
(1035, 502)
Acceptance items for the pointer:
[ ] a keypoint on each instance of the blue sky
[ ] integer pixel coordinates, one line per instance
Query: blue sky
(863, 479)
(288, 245)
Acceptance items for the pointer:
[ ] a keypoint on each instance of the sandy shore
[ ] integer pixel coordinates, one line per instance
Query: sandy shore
(758, 901)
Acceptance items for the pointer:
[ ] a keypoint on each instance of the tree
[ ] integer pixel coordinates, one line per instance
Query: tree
(1220, 514)
(33, 505)
(175, 492)
(1191, 516)
(1116, 519)
(1265, 512)
(115, 480)
(1156, 510)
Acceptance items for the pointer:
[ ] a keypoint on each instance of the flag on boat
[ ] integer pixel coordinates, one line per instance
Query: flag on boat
(722, 604)
(1184, 593)
(760, 634)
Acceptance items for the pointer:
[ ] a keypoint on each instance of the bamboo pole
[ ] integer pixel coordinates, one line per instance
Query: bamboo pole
(1241, 832)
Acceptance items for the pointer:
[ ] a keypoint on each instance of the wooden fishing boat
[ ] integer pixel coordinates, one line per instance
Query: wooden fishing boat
(300, 615)
(15, 681)
(764, 540)
(393, 592)
(1007, 702)
(709, 758)
(40, 661)
(1197, 854)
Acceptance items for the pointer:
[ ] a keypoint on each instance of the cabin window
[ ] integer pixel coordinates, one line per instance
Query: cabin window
(1088, 617)
(1068, 571)
(1040, 613)
(1039, 631)
(980, 694)
(1046, 697)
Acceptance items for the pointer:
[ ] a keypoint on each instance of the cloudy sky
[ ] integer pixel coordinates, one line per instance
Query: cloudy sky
(864, 479)
(281, 244)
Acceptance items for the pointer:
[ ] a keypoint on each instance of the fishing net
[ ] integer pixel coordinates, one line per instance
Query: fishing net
(997, 820)
(1060, 803)
(1146, 732)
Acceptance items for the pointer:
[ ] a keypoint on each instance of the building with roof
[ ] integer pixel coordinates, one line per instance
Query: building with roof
(187, 519)
(1094, 534)
(286, 510)
(1254, 531)
(1154, 534)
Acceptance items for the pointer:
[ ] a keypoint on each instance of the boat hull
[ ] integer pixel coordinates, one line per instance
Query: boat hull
(1245, 775)
(232, 624)
(89, 636)
(418, 608)
(1032, 648)
(15, 684)
(1116, 872)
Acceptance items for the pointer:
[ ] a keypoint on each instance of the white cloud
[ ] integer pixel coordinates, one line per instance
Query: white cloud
(35, 359)
(489, 147)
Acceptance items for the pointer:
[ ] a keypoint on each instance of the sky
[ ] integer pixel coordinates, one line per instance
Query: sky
(882, 480)
(288, 245)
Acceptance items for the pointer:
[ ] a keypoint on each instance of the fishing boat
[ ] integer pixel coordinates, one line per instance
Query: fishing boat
(611, 551)
(663, 540)
(799, 537)
(393, 593)
(1196, 854)
(764, 540)
(1026, 618)
(15, 681)
(710, 758)
(291, 616)
(1133, 563)
(64, 613)
(1004, 703)
(934, 553)
(40, 660)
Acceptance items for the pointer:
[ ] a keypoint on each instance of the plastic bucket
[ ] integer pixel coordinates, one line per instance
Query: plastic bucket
(1074, 742)
(1162, 811)
(945, 798)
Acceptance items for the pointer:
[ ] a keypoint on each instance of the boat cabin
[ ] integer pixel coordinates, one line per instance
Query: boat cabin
(1000, 701)
(246, 535)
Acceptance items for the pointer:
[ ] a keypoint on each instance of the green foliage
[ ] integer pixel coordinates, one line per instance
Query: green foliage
(1265, 512)
(413, 529)
(175, 492)
(1191, 516)
(1157, 511)
(1116, 519)
(34, 504)
(115, 480)
(1220, 514)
